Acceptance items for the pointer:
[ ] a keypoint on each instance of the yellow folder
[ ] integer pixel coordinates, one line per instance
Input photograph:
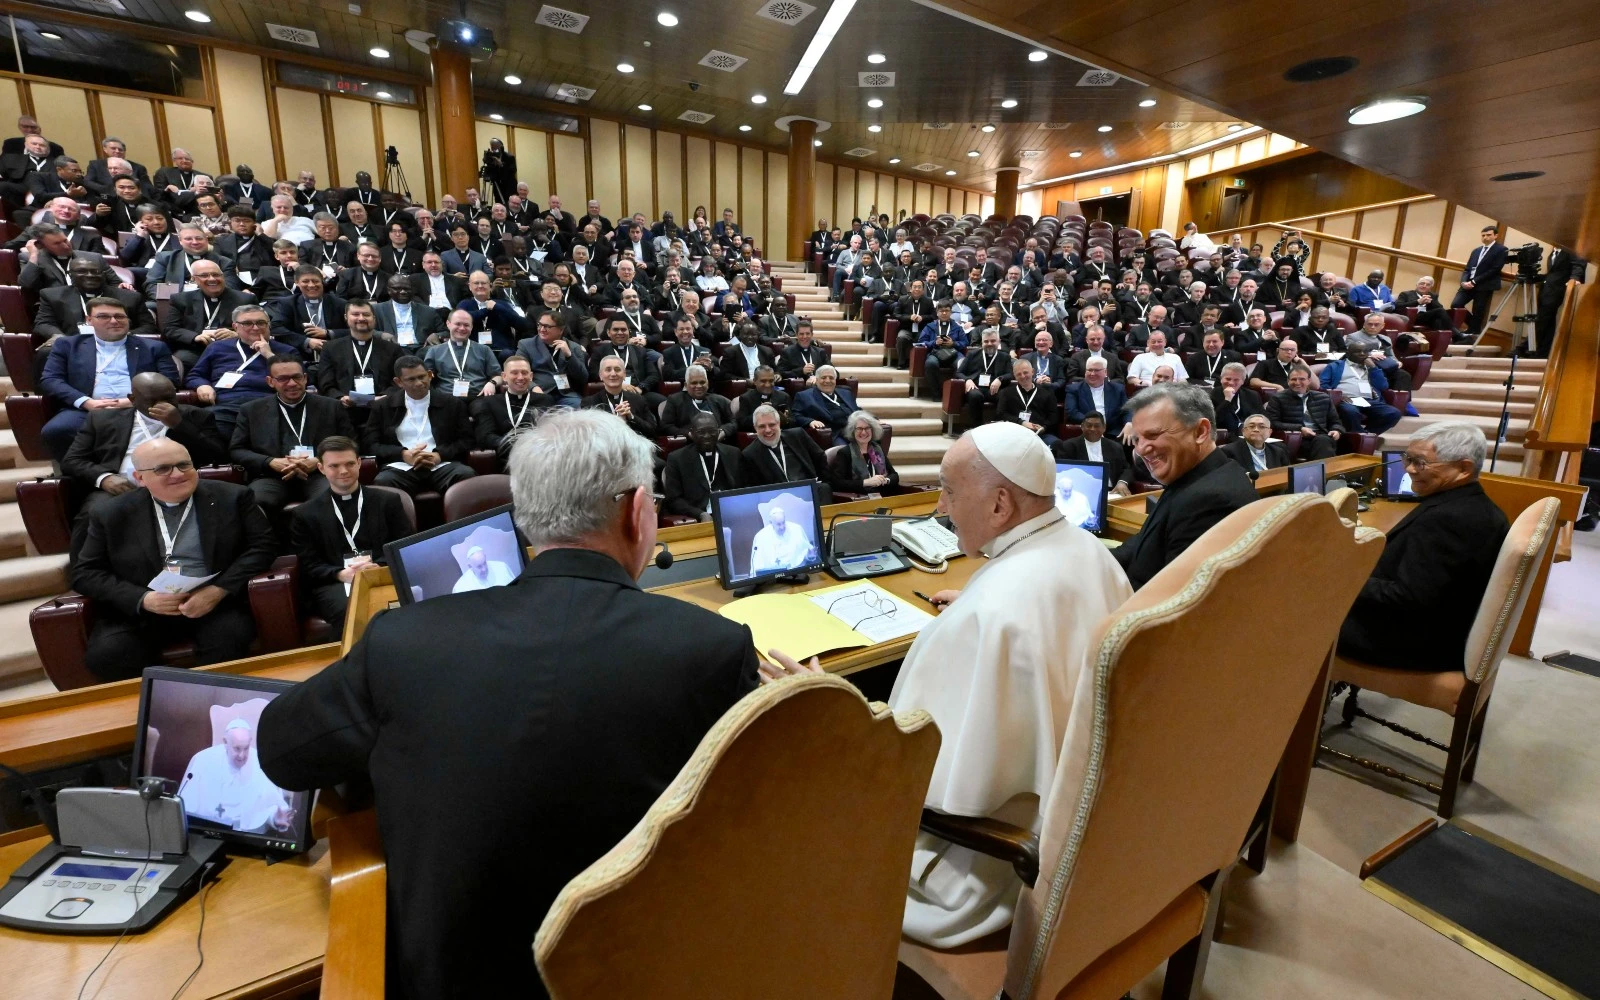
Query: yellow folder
(793, 624)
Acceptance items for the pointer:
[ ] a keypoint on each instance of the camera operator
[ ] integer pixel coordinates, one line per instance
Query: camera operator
(499, 171)
(1560, 267)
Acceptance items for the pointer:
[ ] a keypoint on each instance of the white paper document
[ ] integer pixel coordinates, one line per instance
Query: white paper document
(173, 582)
(872, 611)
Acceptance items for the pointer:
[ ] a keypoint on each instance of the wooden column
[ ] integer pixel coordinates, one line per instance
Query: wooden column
(458, 134)
(802, 185)
(1005, 191)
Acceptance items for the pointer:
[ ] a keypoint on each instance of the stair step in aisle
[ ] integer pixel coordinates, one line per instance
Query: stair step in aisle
(1472, 388)
(19, 661)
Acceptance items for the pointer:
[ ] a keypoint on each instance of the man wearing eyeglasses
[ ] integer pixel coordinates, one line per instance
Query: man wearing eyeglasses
(276, 437)
(1436, 562)
(232, 370)
(143, 551)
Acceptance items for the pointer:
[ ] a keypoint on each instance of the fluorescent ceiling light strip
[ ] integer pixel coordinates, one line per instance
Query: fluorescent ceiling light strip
(1150, 161)
(831, 23)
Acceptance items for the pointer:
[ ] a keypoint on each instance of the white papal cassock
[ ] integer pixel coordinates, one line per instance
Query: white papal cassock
(997, 671)
(243, 798)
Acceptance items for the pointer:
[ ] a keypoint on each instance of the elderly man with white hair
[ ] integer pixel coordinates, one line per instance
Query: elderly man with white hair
(481, 572)
(825, 406)
(223, 784)
(999, 669)
(285, 224)
(502, 703)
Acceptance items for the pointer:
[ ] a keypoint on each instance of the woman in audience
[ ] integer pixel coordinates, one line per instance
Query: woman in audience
(153, 235)
(863, 465)
(1300, 315)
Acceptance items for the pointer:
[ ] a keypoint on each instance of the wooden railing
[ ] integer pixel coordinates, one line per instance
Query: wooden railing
(1562, 417)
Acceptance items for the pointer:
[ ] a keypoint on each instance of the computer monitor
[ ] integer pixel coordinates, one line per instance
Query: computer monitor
(1081, 492)
(1307, 477)
(473, 553)
(1396, 480)
(764, 532)
(198, 731)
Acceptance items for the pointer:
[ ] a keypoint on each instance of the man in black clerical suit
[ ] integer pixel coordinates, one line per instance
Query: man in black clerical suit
(1252, 450)
(367, 280)
(176, 521)
(1304, 409)
(686, 351)
(987, 371)
(355, 369)
(276, 436)
(781, 456)
(1093, 446)
(64, 309)
(410, 322)
(344, 530)
(498, 419)
(421, 436)
(484, 735)
(196, 318)
(763, 393)
(242, 244)
(692, 474)
(635, 408)
(1172, 422)
(741, 358)
(1233, 402)
(696, 398)
(1436, 562)
(802, 358)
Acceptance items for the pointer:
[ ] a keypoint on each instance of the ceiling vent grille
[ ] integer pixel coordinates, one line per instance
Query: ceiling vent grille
(573, 92)
(1173, 126)
(937, 126)
(1055, 126)
(925, 167)
(562, 20)
(859, 151)
(1098, 78)
(725, 61)
(785, 11)
(697, 117)
(875, 78)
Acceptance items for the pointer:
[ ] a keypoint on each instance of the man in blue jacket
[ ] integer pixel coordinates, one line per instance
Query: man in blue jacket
(825, 405)
(946, 341)
(1097, 393)
(1361, 381)
(93, 371)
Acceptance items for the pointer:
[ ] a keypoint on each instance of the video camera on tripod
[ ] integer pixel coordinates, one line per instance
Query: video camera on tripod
(1526, 258)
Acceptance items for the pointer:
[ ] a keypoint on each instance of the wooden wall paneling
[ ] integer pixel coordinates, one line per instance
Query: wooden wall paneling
(242, 96)
(63, 114)
(1280, 144)
(533, 164)
(432, 127)
(921, 198)
(725, 183)
(844, 195)
(326, 113)
(97, 123)
(697, 171)
(402, 129)
(902, 198)
(986, 205)
(208, 66)
(1252, 149)
(571, 182)
(752, 206)
(778, 221)
(354, 142)
(866, 192)
(640, 172)
(1172, 199)
(11, 101)
(669, 176)
(1406, 273)
(133, 120)
(1424, 224)
(190, 127)
(550, 159)
(1331, 255)
(605, 159)
(1224, 157)
(824, 199)
(1376, 226)
(1464, 230)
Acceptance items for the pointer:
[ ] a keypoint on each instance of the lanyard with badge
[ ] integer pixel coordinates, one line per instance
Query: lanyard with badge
(782, 460)
(711, 475)
(231, 379)
(462, 386)
(481, 320)
(354, 554)
(300, 449)
(364, 382)
(1027, 405)
(516, 421)
(169, 541)
(984, 378)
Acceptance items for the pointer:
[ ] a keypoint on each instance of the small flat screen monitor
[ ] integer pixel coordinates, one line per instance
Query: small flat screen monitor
(765, 532)
(198, 731)
(1307, 477)
(474, 553)
(1396, 480)
(1081, 492)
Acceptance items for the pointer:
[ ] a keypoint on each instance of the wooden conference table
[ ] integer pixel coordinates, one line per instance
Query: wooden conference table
(267, 926)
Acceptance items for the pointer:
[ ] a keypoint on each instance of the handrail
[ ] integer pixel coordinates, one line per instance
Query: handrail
(1375, 206)
(1310, 235)
(1564, 412)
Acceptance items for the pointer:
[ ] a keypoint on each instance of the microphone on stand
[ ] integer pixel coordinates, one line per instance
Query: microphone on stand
(663, 558)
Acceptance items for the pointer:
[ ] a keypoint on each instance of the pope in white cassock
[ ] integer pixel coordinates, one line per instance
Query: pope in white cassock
(997, 669)
(481, 573)
(778, 545)
(225, 784)
(1071, 501)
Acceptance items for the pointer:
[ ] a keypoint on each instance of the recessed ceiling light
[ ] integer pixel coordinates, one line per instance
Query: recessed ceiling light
(744, 128)
(1518, 175)
(816, 142)
(1038, 55)
(874, 128)
(646, 107)
(894, 159)
(758, 98)
(876, 102)
(667, 20)
(1320, 69)
(1148, 102)
(949, 173)
(624, 67)
(53, 37)
(988, 128)
(1075, 153)
(1387, 110)
(513, 79)
(1235, 127)
(498, 118)
(1009, 102)
(877, 58)
(1103, 128)
(972, 152)
(378, 52)
(383, 94)
(198, 16)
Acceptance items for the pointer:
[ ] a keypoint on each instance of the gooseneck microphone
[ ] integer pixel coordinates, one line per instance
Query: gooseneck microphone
(664, 557)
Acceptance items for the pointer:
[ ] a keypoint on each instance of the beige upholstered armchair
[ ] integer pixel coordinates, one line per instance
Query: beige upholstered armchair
(773, 866)
(1462, 694)
(1175, 734)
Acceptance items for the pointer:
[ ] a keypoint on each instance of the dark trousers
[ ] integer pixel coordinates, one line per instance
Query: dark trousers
(937, 369)
(120, 647)
(972, 406)
(1551, 298)
(1478, 299)
(903, 342)
(437, 479)
(1317, 447)
(58, 432)
(1374, 419)
(273, 493)
(329, 602)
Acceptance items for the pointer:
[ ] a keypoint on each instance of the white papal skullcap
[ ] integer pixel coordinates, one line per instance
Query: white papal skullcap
(237, 724)
(1018, 454)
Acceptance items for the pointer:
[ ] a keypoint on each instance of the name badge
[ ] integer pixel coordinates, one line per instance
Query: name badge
(460, 387)
(562, 382)
(349, 561)
(327, 271)
(229, 380)
(1322, 347)
(302, 451)
(246, 277)
(1025, 417)
(517, 309)
(364, 385)
(485, 337)
(406, 338)
(1261, 355)
(983, 381)
(627, 380)
(86, 329)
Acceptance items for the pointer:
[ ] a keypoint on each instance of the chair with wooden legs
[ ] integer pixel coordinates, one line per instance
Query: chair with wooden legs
(773, 866)
(1461, 694)
(1153, 796)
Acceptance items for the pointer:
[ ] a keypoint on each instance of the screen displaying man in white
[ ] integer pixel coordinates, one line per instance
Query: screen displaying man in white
(481, 572)
(224, 784)
(778, 545)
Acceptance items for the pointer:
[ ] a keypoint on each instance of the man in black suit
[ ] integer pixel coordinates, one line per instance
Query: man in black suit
(412, 324)
(247, 188)
(64, 309)
(1301, 408)
(628, 722)
(173, 181)
(1436, 562)
(367, 280)
(196, 318)
(780, 456)
(499, 418)
(276, 436)
(1233, 402)
(353, 368)
(804, 356)
(1093, 446)
(343, 531)
(696, 398)
(634, 408)
(1252, 450)
(1172, 422)
(50, 253)
(741, 358)
(1560, 267)
(420, 435)
(311, 316)
(434, 287)
(1431, 314)
(987, 371)
(688, 350)
(1480, 279)
(63, 179)
(243, 243)
(692, 474)
(276, 280)
(1024, 402)
(199, 528)
(99, 176)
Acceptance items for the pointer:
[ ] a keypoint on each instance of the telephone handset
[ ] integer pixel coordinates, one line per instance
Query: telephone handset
(927, 539)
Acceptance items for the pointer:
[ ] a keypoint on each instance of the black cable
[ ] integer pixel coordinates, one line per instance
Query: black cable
(199, 934)
(149, 845)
